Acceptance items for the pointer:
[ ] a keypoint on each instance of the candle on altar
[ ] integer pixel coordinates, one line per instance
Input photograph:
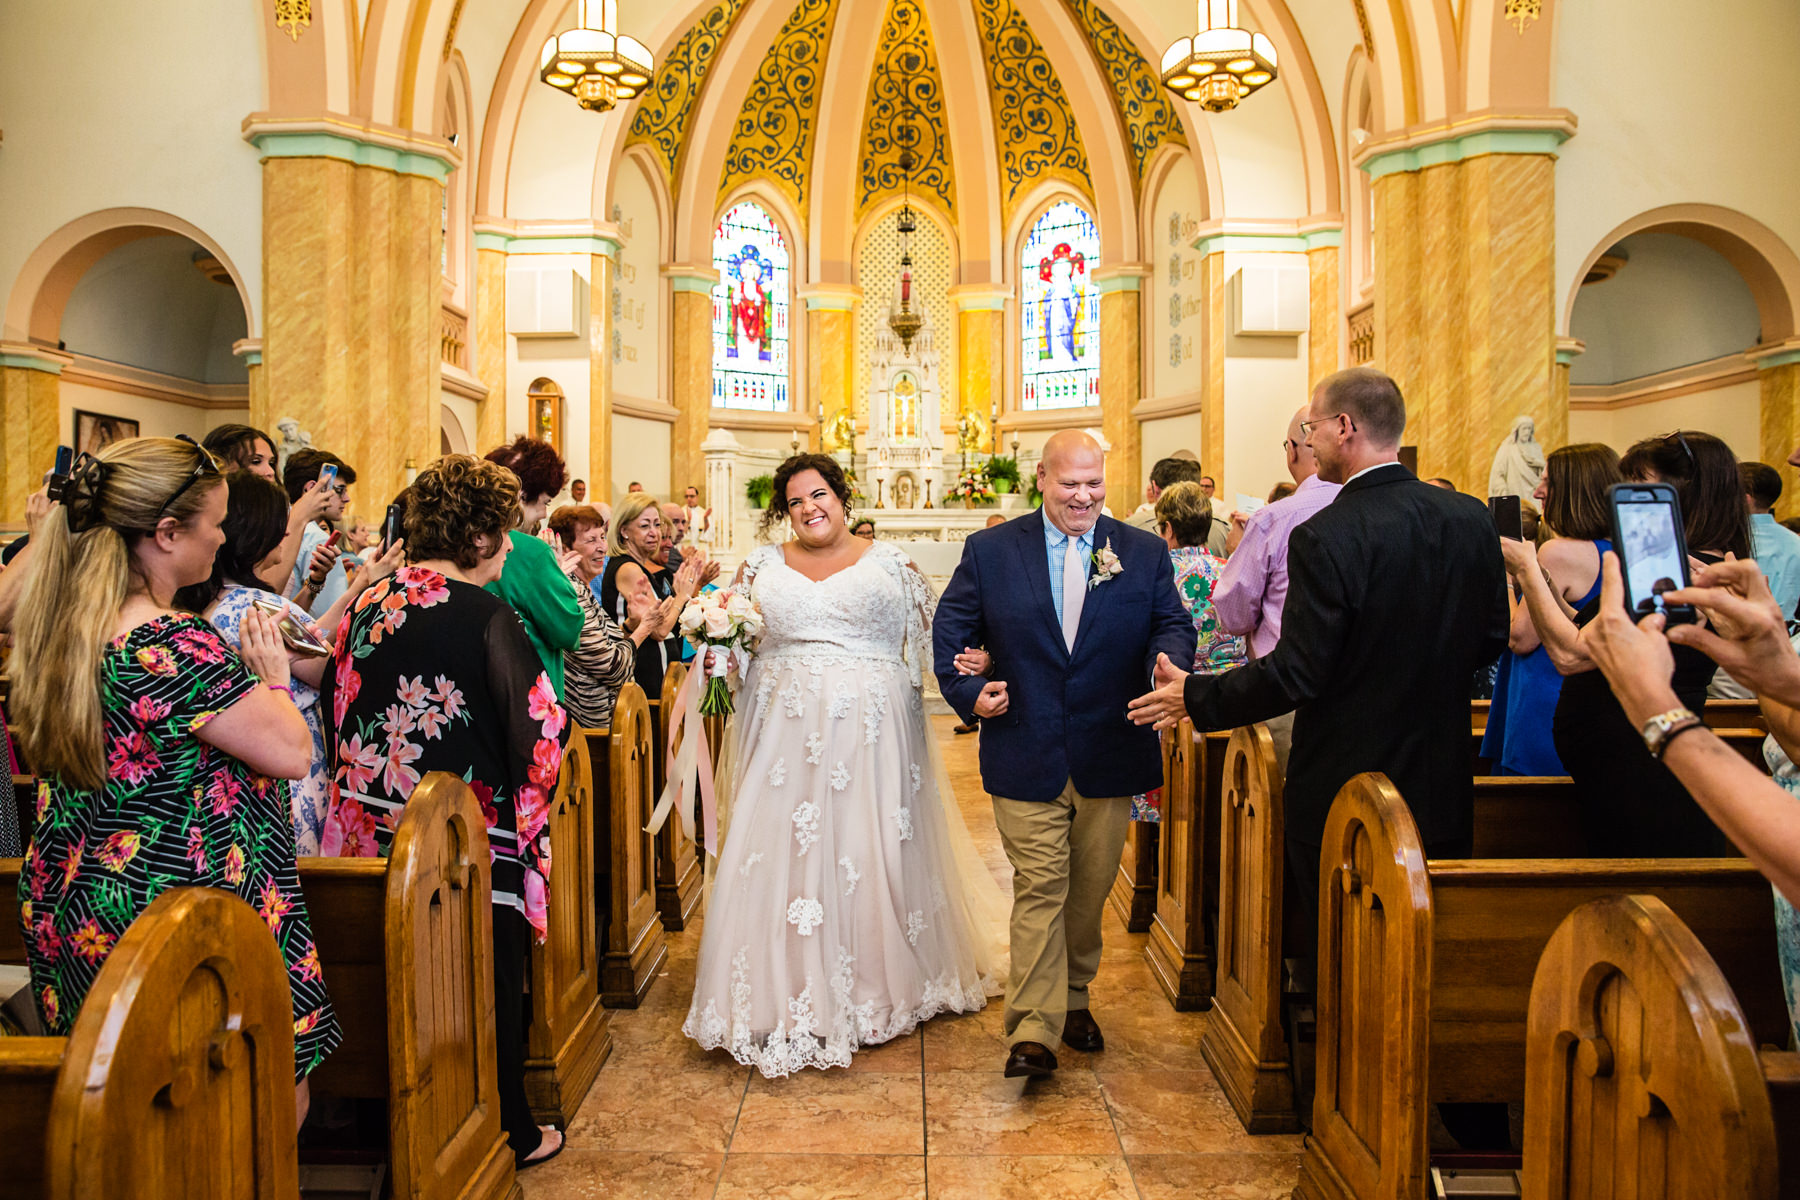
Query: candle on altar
(905, 286)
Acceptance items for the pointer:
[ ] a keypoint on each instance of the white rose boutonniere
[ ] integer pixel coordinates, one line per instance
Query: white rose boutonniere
(1106, 565)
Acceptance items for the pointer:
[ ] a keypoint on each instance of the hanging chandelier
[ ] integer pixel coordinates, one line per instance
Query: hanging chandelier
(906, 323)
(1221, 64)
(594, 62)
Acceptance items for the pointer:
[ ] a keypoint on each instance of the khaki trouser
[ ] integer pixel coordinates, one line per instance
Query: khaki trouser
(1065, 855)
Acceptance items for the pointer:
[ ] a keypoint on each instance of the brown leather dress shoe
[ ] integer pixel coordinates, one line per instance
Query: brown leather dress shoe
(1081, 1033)
(1030, 1059)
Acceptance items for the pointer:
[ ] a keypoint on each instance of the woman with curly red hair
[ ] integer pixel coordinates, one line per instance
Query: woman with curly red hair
(536, 581)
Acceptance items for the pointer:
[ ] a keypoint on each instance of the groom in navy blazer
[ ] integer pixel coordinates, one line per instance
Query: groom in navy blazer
(1073, 607)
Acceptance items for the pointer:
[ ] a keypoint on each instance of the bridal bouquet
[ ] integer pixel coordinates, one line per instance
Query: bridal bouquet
(726, 622)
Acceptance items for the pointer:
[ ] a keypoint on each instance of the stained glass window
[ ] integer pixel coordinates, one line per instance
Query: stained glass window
(750, 311)
(1059, 311)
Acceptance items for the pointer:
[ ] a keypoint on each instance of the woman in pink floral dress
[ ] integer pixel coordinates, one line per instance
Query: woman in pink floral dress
(431, 673)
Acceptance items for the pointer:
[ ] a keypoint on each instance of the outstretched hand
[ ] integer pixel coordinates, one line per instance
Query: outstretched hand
(1165, 706)
(1748, 634)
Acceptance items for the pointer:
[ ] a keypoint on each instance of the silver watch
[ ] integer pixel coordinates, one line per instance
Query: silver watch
(1658, 729)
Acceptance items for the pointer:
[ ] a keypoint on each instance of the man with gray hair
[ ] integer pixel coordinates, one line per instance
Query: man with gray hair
(1165, 474)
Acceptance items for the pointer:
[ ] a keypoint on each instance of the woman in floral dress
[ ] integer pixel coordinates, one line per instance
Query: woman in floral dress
(432, 673)
(171, 772)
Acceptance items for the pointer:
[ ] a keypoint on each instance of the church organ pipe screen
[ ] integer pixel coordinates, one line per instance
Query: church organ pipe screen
(750, 311)
(1059, 311)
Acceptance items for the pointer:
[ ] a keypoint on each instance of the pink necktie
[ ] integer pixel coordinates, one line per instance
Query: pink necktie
(1074, 591)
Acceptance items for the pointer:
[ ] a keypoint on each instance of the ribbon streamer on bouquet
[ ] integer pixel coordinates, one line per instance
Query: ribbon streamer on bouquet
(693, 757)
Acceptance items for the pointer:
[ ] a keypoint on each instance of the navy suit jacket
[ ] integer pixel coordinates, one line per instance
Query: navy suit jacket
(1065, 718)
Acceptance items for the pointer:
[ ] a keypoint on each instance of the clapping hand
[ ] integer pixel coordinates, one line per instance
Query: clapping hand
(974, 662)
(1749, 635)
(1165, 706)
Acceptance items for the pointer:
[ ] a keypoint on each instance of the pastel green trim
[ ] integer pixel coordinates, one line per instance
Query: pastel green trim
(1469, 145)
(1565, 357)
(508, 243)
(693, 283)
(1251, 243)
(981, 303)
(1118, 283)
(1785, 358)
(31, 362)
(314, 144)
(1323, 239)
(251, 358)
(829, 303)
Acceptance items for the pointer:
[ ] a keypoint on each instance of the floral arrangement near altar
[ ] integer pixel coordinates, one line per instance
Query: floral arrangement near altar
(728, 622)
(972, 486)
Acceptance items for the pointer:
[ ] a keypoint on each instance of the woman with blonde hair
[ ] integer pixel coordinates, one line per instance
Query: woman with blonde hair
(163, 751)
(634, 576)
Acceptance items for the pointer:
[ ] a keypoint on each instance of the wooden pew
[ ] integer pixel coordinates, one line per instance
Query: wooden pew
(1133, 895)
(1641, 1077)
(1180, 950)
(569, 1034)
(1527, 816)
(677, 867)
(1425, 973)
(616, 768)
(177, 1078)
(406, 944)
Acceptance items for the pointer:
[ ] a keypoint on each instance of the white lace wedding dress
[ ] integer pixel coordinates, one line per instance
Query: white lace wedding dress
(839, 914)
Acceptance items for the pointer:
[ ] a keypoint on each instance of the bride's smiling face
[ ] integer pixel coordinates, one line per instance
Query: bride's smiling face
(814, 510)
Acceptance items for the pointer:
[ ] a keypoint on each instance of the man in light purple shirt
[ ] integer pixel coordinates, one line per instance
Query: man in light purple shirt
(1253, 588)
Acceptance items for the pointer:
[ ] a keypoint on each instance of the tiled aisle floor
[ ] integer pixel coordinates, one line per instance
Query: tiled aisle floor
(929, 1115)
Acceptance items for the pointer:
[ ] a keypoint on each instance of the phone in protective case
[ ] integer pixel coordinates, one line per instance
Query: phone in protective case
(1507, 521)
(1647, 536)
(294, 635)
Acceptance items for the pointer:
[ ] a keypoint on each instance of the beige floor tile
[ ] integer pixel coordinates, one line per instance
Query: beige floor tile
(832, 1112)
(1215, 1176)
(1181, 1112)
(691, 1111)
(1029, 1177)
(975, 1042)
(1141, 1038)
(970, 1113)
(823, 1177)
(901, 1056)
(599, 1175)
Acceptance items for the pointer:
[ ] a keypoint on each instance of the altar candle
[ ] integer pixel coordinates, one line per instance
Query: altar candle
(905, 286)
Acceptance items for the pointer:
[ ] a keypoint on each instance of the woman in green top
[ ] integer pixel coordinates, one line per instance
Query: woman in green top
(535, 584)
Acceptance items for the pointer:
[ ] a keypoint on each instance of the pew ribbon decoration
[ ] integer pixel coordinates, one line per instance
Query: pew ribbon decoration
(722, 626)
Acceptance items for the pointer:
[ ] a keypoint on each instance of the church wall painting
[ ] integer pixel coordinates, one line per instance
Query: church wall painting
(1173, 329)
(750, 311)
(1059, 311)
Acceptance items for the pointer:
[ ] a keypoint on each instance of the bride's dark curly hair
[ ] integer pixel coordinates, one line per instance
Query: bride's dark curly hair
(828, 470)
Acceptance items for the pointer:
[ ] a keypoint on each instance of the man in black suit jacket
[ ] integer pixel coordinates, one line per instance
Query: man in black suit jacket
(1397, 594)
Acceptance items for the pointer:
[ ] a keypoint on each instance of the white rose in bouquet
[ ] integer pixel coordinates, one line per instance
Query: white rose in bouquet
(718, 623)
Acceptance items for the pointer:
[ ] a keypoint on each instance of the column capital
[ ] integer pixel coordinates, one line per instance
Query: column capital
(351, 141)
(1488, 131)
(1568, 349)
(977, 297)
(1121, 277)
(248, 349)
(1226, 235)
(690, 277)
(549, 237)
(830, 297)
(1764, 358)
(28, 356)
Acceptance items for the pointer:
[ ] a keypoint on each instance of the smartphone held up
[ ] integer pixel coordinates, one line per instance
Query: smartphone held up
(1508, 520)
(1652, 549)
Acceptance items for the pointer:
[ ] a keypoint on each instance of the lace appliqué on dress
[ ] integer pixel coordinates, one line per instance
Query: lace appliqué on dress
(815, 749)
(778, 773)
(806, 826)
(805, 914)
(840, 777)
(842, 700)
(852, 876)
(903, 822)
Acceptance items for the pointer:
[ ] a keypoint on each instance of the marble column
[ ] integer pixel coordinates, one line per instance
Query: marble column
(490, 349)
(1567, 351)
(981, 353)
(690, 330)
(1121, 372)
(30, 421)
(352, 286)
(1465, 289)
(1211, 286)
(250, 351)
(830, 347)
(1778, 371)
(600, 403)
(1323, 326)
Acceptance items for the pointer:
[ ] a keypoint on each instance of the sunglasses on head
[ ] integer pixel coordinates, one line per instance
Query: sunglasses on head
(207, 465)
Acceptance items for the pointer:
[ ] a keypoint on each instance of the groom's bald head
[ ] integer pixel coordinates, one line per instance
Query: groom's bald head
(1072, 478)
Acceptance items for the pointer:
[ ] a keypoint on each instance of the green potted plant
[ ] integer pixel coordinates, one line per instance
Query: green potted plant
(759, 490)
(1003, 473)
(1033, 497)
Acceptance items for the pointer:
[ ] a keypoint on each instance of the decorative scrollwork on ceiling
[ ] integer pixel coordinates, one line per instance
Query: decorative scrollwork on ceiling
(1149, 119)
(906, 110)
(779, 119)
(666, 108)
(1034, 130)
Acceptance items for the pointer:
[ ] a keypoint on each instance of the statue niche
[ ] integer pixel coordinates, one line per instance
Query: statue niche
(905, 442)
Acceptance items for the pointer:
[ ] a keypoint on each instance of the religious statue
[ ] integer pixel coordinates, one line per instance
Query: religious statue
(292, 438)
(840, 431)
(1519, 463)
(1063, 337)
(971, 431)
(751, 304)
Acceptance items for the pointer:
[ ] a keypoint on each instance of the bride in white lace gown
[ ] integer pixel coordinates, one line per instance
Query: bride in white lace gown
(839, 915)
